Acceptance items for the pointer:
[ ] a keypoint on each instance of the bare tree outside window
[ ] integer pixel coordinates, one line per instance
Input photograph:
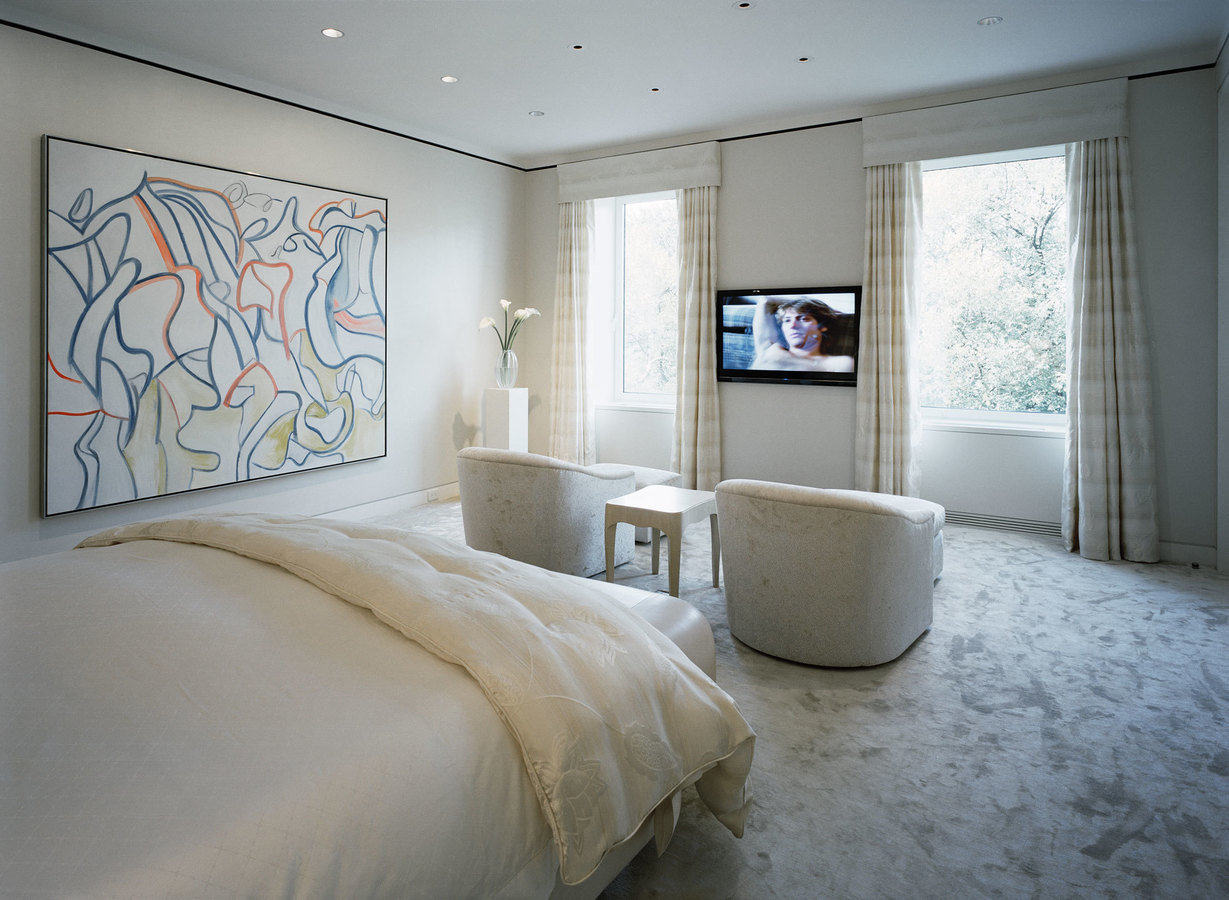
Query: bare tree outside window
(993, 301)
(650, 296)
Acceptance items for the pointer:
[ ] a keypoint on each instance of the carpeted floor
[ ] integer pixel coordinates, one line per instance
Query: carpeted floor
(1062, 731)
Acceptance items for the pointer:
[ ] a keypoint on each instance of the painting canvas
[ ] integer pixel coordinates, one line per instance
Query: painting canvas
(204, 326)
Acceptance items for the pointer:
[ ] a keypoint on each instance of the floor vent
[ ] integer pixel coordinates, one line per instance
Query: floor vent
(1005, 523)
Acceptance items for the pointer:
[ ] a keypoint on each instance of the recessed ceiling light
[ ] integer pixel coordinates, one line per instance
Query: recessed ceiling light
(655, 90)
(804, 59)
(744, 4)
(990, 20)
(536, 113)
(332, 32)
(449, 79)
(578, 46)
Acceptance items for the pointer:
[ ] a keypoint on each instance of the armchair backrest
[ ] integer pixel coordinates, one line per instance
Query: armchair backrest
(539, 509)
(824, 576)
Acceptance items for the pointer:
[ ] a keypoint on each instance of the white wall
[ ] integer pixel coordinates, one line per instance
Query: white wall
(540, 228)
(1173, 155)
(455, 241)
(791, 212)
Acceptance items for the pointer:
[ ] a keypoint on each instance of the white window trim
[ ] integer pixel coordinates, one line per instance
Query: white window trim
(978, 421)
(661, 408)
(987, 159)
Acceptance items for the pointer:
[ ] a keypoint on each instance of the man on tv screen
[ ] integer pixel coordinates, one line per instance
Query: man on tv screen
(802, 333)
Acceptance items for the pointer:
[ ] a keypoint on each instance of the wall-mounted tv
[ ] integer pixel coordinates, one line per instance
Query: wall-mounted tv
(789, 336)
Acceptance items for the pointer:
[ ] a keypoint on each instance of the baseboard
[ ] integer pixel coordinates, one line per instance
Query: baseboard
(450, 491)
(1171, 552)
(1189, 554)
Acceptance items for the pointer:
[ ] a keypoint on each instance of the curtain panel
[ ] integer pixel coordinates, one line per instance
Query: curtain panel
(571, 412)
(696, 452)
(694, 171)
(1109, 482)
(887, 416)
(1109, 493)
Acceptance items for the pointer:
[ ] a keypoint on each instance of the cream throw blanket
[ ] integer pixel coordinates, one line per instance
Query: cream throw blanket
(611, 717)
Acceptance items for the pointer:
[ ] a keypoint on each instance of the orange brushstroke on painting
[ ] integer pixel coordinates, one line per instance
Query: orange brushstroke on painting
(360, 324)
(87, 412)
(155, 232)
(274, 297)
(251, 367)
(51, 364)
(315, 216)
(204, 190)
(93, 411)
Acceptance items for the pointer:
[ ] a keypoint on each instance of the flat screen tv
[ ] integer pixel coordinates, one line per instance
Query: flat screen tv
(789, 336)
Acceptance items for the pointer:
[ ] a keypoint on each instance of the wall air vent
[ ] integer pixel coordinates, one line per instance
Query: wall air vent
(1006, 523)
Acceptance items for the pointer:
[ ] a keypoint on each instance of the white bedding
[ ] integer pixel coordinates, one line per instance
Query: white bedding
(283, 721)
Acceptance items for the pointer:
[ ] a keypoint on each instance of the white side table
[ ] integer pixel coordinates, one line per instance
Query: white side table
(667, 509)
(505, 418)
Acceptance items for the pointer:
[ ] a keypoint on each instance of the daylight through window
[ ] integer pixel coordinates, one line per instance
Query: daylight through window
(646, 297)
(993, 311)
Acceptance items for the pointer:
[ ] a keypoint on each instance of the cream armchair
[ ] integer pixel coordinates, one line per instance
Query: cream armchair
(827, 577)
(542, 510)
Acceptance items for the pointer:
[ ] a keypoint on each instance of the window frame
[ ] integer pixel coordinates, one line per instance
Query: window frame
(1015, 422)
(608, 284)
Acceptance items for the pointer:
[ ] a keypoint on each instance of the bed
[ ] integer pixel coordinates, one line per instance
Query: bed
(260, 706)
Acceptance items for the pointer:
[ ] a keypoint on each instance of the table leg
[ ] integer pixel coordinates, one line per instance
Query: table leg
(675, 538)
(656, 550)
(611, 530)
(712, 521)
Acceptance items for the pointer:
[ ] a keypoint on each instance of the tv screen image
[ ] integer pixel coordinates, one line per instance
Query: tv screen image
(789, 335)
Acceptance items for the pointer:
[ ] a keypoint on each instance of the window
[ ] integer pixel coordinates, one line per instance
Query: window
(993, 319)
(640, 285)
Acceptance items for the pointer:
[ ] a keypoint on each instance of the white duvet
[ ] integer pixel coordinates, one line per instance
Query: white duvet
(113, 700)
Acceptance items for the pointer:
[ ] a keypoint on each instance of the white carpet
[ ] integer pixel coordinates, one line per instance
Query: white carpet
(1061, 731)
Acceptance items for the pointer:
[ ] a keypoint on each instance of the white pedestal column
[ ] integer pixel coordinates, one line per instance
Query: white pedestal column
(505, 418)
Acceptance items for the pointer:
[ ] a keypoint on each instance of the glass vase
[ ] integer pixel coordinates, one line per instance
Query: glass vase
(505, 370)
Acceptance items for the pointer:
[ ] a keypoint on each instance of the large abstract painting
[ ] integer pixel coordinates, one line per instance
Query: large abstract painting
(204, 326)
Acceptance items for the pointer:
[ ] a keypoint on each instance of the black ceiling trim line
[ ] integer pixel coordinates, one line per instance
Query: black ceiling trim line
(254, 93)
(760, 134)
(1177, 71)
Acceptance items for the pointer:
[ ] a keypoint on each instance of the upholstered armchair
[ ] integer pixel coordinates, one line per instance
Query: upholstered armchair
(827, 577)
(542, 510)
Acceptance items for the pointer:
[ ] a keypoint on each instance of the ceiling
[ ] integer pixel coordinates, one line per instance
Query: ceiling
(625, 74)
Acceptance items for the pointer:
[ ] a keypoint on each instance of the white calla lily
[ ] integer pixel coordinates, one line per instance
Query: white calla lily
(508, 335)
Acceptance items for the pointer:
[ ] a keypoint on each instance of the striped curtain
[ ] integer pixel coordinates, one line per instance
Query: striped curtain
(696, 452)
(571, 412)
(1109, 485)
(888, 416)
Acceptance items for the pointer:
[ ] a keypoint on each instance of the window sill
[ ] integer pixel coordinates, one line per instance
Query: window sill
(1057, 432)
(635, 407)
